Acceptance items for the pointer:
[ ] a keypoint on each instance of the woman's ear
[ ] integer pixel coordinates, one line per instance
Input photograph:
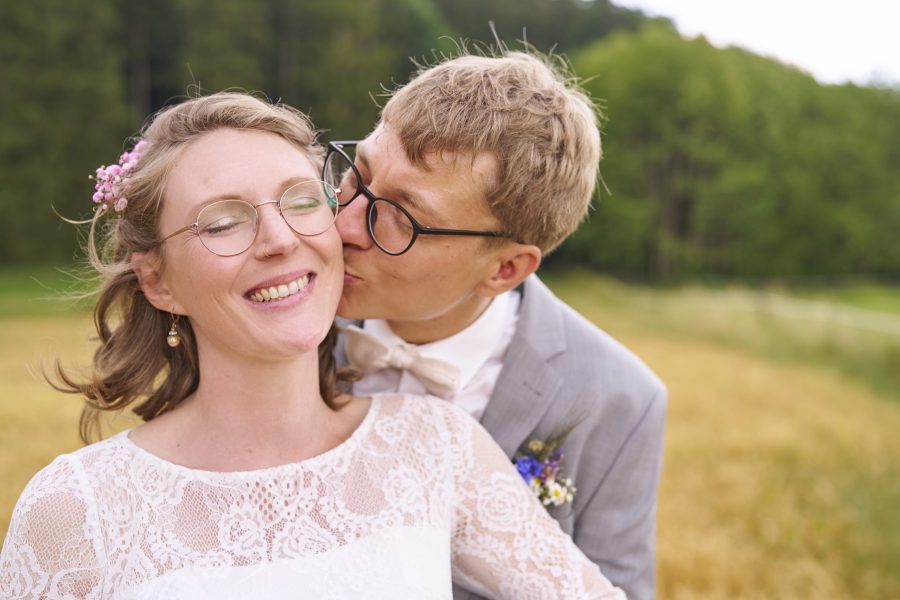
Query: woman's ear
(147, 266)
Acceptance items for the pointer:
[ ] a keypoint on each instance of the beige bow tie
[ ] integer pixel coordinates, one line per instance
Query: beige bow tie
(367, 353)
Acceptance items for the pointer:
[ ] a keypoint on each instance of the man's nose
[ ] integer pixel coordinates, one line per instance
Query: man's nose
(351, 223)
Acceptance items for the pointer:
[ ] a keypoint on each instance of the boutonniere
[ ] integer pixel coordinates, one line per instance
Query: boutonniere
(539, 463)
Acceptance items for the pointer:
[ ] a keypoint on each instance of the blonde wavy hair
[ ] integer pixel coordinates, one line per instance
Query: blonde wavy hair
(133, 364)
(526, 110)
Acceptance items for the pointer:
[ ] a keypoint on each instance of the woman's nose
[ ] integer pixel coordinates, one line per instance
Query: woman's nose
(274, 236)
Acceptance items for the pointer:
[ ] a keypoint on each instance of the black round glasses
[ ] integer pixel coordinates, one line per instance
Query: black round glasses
(390, 225)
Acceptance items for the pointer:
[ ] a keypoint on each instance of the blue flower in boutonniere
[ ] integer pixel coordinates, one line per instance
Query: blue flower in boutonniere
(540, 465)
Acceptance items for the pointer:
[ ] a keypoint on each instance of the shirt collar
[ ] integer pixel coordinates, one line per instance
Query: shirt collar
(468, 350)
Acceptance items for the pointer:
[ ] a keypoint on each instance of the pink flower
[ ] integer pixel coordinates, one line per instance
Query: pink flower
(111, 180)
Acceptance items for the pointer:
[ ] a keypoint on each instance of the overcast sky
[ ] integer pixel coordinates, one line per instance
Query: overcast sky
(837, 42)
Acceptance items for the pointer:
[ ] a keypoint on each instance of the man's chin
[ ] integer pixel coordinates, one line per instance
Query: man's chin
(353, 310)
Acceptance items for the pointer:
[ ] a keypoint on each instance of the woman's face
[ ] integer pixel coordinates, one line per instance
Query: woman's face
(222, 295)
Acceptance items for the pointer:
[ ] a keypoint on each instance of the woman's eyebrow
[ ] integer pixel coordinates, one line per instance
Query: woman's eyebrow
(283, 186)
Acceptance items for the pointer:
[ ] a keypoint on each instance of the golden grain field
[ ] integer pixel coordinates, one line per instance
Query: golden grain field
(780, 480)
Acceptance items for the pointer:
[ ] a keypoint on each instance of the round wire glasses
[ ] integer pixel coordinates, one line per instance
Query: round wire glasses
(228, 227)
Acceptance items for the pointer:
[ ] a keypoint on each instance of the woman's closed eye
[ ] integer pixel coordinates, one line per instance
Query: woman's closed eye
(300, 205)
(222, 225)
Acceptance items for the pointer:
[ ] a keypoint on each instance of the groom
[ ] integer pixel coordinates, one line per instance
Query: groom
(477, 168)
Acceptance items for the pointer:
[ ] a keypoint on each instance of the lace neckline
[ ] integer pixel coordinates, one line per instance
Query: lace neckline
(332, 454)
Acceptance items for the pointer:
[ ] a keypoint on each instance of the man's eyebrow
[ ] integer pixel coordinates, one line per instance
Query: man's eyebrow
(402, 195)
(418, 206)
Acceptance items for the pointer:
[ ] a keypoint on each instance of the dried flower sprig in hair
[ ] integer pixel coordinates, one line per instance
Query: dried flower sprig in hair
(110, 180)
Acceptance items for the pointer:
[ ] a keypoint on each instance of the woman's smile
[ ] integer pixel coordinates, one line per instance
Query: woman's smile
(282, 288)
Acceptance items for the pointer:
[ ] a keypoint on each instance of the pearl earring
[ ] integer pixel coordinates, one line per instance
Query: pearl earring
(173, 338)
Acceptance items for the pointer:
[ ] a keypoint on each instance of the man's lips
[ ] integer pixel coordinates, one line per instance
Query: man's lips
(351, 278)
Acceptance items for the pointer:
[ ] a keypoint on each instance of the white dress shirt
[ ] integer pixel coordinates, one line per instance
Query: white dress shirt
(478, 351)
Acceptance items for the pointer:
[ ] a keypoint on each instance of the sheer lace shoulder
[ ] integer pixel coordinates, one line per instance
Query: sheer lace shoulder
(51, 548)
(504, 543)
(418, 486)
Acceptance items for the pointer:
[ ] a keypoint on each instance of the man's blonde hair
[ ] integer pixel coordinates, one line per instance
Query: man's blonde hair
(524, 109)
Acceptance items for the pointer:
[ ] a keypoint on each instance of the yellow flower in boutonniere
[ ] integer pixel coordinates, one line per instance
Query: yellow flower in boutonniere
(540, 465)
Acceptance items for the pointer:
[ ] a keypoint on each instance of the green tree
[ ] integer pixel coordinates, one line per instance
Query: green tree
(566, 25)
(227, 44)
(62, 113)
(332, 57)
(722, 162)
(150, 41)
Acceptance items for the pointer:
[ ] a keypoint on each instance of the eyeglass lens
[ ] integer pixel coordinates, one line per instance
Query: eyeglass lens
(228, 227)
(390, 227)
(340, 174)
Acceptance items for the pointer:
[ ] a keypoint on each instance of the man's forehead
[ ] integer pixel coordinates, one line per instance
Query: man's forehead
(483, 165)
(443, 182)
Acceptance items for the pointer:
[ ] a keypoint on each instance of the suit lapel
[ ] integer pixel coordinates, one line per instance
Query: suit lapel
(527, 385)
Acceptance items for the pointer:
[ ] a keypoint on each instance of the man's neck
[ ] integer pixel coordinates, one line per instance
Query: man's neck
(443, 326)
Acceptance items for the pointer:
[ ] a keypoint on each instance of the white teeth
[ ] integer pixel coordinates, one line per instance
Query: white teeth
(280, 291)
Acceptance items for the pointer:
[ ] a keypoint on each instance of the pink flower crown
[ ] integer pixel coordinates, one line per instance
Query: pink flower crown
(111, 180)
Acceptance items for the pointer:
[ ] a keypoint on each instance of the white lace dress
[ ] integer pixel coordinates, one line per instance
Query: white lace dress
(418, 494)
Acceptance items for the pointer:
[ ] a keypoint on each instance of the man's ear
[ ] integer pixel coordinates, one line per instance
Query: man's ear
(147, 266)
(515, 262)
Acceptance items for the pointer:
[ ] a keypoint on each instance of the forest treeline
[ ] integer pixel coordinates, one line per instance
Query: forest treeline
(724, 163)
(717, 162)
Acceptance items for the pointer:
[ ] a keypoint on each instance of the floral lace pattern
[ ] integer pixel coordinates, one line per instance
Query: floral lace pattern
(418, 488)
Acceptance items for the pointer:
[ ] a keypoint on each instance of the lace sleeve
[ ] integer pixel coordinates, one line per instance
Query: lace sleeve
(51, 549)
(505, 545)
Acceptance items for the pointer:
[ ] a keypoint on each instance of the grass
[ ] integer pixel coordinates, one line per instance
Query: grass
(782, 469)
(781, 475)
(36, 423)
(37, 291)
(805, 326)
(863, 295)
(779, 481)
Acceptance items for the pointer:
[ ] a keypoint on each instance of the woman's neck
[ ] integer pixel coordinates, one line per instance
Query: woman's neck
(246, 415)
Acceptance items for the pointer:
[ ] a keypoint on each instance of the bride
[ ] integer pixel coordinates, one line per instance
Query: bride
(251, 477)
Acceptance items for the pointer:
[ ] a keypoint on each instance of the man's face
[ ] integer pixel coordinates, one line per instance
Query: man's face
(435, 285)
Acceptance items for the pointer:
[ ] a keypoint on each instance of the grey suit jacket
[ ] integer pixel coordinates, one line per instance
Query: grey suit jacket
(559, 366)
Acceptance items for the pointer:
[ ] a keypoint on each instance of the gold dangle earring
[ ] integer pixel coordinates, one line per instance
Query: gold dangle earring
(173, 338)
